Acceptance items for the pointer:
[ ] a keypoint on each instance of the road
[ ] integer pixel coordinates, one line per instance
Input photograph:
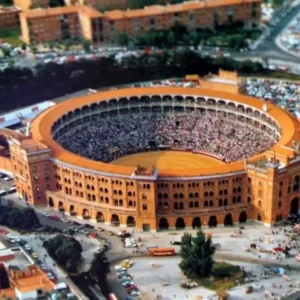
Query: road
(115, 252)
(268, 48)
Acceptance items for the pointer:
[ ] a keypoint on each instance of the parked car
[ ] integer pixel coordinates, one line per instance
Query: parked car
(89, 226)
(127, 283)
(131, 288)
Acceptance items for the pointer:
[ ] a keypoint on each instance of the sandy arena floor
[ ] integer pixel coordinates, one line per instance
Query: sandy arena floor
(172, 160)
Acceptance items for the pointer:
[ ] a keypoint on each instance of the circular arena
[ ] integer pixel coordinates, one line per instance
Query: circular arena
(159, 158)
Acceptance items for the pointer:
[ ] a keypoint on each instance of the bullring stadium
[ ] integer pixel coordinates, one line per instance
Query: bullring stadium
(161, 158)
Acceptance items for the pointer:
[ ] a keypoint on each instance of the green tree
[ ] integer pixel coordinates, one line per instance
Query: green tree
(86, 46)
(29, 218)
(171, 39)
(123, 39)
(99, 269)
(56, 3)
(66, 251)
(71, 266)
(197, 255)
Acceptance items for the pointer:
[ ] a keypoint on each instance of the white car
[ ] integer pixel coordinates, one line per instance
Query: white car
(46, 215)
(27, 247)
(64, 220)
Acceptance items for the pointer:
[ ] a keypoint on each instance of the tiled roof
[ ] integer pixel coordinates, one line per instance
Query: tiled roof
(160, 9)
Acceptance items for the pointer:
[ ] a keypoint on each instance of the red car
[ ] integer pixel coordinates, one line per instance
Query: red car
(55, 218)
(131, 288)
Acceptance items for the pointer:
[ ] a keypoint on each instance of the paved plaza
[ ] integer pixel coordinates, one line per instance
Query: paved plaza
(165, 280)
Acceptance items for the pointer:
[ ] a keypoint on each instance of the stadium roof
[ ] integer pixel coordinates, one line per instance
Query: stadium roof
(41, 129)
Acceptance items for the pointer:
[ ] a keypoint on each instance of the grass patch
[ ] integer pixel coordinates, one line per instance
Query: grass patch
(11, 35)
(224, 277)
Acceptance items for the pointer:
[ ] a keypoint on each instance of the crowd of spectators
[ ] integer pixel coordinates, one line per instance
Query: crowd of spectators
(105, 139)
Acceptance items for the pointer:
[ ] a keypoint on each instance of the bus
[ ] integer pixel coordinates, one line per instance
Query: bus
(112, 297)
(162, 251)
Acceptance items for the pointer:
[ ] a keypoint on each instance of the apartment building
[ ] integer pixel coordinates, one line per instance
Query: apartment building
(28, 4)
(194, 14)
(60, 23)
(79, 21)
(9, 16)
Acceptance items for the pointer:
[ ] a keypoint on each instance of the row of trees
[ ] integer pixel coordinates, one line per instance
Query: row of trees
(19, 218)
(233, 36)
(23, 87)
(66, 251)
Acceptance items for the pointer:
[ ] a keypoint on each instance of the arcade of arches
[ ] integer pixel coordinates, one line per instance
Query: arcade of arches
(123, 218)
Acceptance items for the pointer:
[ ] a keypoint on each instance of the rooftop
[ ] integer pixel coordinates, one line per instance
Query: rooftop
(56, 11)
(145, 12)
(8, 9)
(185, 6)
(15, 258)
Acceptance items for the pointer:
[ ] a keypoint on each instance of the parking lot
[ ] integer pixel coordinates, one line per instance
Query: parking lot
(7, 185)
(162, 277)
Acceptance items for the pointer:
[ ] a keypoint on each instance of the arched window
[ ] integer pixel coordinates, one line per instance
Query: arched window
(191, 204)
(175, 196)
(196, 204)
(211, 203)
